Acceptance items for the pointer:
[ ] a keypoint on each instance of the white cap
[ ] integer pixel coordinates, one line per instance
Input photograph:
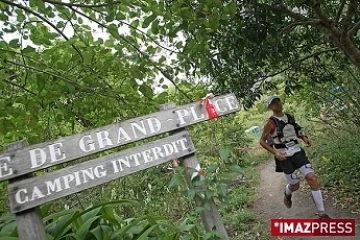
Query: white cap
(270, 100)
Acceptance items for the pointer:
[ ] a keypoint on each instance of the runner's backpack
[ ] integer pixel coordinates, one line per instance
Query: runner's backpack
(280, 125)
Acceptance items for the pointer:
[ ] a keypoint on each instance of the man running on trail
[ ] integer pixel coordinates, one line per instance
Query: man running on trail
(285, 133)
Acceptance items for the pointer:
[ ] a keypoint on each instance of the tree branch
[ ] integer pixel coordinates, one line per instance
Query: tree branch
(354, 29)
(22, 53)
(319, 13)
(72, 15)
(82, 5)
(72, 25)
(340, 10)
(19, 86)
(26, 9)
(104, 26)
(352, 8)
(295, 24)
(147, 35)
(143, 33)
(137, 49)
(296, 16)
(299, 61)
(86, 89)
(32, 59)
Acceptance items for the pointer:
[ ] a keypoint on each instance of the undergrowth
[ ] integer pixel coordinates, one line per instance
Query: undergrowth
(336, 154)
(241, 221)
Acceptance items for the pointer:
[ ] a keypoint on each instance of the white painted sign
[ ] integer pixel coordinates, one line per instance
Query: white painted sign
(69, 148)
(35, 191)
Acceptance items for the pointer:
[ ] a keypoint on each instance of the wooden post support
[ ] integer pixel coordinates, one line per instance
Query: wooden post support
(30, 224)
(211, 218)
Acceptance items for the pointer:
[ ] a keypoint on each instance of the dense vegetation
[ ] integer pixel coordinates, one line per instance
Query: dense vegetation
(69, 66)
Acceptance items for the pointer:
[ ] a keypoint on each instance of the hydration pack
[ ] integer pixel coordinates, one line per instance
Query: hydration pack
(280, 125)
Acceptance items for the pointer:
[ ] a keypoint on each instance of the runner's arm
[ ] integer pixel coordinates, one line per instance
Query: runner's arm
(268, 128)
(306, 140)
(302, 136)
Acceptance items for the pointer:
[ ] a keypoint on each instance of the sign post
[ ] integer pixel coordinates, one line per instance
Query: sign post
(27, 193)
(210, 217)
(30, 224)
(36, 191)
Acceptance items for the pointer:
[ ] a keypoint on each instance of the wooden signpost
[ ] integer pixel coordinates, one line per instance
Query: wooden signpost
(210, 217)
(36, 191)
(26, 192)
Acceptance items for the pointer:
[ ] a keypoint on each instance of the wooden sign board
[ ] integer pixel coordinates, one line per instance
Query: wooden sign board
(35, 191)
(44, 155)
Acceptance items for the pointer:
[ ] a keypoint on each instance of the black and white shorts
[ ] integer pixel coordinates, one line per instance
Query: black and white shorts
(298, 161)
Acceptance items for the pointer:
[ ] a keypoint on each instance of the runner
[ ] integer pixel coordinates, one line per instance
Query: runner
(285, 133)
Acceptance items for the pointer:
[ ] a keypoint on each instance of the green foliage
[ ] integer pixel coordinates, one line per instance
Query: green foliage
(243, 46)
(100, 222)
(336, 154)
(54, 83)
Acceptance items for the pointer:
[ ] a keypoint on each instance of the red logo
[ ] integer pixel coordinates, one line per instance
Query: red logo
(312, 227)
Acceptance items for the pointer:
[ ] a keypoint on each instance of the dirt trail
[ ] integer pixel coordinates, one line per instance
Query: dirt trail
(270, 202)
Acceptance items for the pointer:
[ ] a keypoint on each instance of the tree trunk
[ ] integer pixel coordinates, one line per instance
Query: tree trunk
(350, 50)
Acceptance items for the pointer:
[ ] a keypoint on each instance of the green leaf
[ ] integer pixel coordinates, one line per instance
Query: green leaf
(62, 226)
(124, 8)
(40, 4)
(236, 168)
(146, 90)
(109, 43)
(120, 16)
(28, 49)
(20, 15)
(176, 180)
(179, 45)
(90, 214)
(146, 233)
(109, 18)
(212, 168)
(224, 154)
(41, 82)
(69, 219)
(14, 43)
(155, 27)
(148, 20)
(114, 31)
(57, 215)
(135, 23)
(49, 237)
(97, 232)
(72, 235)
(85, 228)
(71, 88)
(130, 228)
(9, 228)
(191, 193)
(45, 209)
(4, 17)
(232, 8)
(7, 217)
(60, 24)
(109, 214)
